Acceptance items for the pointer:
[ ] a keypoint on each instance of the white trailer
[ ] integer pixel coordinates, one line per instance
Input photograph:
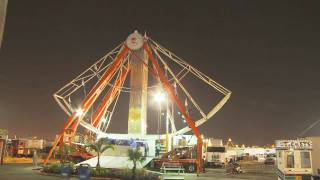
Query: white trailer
(294, 159)
(315, 156)
(214, 152)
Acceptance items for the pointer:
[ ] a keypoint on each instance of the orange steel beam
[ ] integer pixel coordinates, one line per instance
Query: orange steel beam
(101, 110)
(95, 92)
(91, 97)
(170, 90)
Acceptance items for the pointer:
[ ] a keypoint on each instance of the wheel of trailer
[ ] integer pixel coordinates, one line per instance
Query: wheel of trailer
(191, 168)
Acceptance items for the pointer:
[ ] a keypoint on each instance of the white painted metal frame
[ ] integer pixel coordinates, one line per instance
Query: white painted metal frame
(224, 91)
(62, 96)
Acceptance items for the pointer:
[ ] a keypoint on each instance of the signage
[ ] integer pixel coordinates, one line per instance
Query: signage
(294, 144)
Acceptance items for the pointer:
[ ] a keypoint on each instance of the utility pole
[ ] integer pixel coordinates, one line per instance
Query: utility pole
(167, 124)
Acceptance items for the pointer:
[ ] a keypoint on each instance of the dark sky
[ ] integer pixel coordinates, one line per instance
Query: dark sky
(266, 52)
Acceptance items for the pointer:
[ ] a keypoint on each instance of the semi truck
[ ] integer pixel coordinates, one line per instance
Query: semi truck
(214, 153)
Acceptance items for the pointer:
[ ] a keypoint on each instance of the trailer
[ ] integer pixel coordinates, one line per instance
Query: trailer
(294, 159)
(214, 153)
(315, 156)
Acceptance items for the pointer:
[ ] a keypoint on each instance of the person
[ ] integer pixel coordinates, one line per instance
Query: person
(203, 164)
(35, 159)
(231, 161)
(146, 149)
(158, 149)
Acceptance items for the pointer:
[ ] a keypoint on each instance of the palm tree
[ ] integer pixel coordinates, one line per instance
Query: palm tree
(135, 156)
(99, 147)
(68, 150)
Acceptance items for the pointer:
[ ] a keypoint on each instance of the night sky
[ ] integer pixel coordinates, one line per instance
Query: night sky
(266, 52)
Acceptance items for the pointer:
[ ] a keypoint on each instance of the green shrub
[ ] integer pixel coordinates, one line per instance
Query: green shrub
(52, 168)
(55, 168)
(126, 174)
(102, 172)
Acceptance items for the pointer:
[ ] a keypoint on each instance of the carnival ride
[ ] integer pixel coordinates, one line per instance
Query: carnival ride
(106, 79)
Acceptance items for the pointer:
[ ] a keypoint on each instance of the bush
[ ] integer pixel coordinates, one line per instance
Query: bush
(52, 168)
(126, 174)
(55, 168)
(102, 172)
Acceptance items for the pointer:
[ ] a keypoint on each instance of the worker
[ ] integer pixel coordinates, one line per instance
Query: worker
(146, 149)
(35, 158)
(203, 164)
(158, 149)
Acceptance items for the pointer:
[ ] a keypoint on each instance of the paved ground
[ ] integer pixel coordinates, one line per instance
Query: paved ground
(252, 171)
(23, 172)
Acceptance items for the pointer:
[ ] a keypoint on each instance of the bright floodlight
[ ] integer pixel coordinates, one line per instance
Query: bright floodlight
(79, 112)
(160, 97)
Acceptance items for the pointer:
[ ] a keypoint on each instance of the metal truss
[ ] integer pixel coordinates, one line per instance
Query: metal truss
(62, 96)
(190, 69)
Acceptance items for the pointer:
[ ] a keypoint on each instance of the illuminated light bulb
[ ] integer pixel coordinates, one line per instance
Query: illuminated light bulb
(79, 112)
(160, 97)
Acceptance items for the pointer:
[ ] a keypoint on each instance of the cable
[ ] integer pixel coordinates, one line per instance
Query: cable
(308, 128)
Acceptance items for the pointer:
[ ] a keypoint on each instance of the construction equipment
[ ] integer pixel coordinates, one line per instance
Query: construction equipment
(186, 157)
(142, 56)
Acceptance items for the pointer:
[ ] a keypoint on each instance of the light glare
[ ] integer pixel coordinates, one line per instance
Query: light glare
(79, 112)
(160, 97)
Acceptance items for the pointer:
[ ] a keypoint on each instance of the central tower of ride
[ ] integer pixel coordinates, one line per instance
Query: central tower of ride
(137, 118)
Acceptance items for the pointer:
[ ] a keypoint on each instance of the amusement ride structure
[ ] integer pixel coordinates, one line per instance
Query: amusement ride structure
(139, 56)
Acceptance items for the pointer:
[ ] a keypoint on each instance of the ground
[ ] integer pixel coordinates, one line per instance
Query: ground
(253, 171)
(21, 171)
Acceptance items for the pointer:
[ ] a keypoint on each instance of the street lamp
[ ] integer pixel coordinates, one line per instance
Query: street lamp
(160, 97)
(79, 112)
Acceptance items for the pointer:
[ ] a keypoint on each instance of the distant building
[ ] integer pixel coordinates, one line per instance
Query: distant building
(25, 146)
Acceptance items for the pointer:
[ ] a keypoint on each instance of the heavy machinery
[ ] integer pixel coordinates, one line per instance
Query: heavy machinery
(186, 156)
(141, 56)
